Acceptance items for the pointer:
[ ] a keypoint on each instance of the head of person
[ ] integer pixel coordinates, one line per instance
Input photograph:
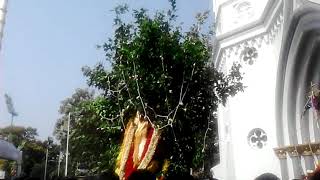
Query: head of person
(267, 176)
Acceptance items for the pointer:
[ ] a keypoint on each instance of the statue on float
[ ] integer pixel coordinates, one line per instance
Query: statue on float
(140, 149)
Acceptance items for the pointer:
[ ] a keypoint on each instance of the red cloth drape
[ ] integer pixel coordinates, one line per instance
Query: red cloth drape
(130, 168)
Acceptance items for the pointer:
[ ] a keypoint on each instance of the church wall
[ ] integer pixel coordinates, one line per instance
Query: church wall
(252, 110)
(277, 82)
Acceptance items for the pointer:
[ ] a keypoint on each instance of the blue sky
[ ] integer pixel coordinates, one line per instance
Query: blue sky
(47, 42)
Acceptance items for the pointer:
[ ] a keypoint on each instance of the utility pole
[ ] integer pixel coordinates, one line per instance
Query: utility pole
(67, 149)
(46, 164)
(59, 161)
(47, 154)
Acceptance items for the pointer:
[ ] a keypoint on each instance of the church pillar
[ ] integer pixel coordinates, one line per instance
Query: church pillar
(3, 12)
(296, 167)
(284, 168)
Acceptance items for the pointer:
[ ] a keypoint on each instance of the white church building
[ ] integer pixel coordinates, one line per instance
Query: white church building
(261, 130)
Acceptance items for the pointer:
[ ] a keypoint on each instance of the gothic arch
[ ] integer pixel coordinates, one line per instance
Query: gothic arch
(299, 64)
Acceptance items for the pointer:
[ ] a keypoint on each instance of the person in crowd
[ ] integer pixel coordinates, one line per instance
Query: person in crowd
(142, 175)
(267, 176)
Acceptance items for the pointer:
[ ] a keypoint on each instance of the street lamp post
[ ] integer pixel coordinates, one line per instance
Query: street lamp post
(67, 149)
(11, 111)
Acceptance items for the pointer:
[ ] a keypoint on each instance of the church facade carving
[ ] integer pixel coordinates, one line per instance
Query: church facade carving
(276, 42)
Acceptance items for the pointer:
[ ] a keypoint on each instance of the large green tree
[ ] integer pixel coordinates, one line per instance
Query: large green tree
(20, 134)
(88, 145)
(33, 149)
(167, 75)
(72, 107)
(37, 170)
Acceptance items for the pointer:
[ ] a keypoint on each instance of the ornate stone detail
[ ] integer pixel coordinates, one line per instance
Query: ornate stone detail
(304, 150)
(315, 148)
(249, 55)
(281, 153)
(257, 138)
(298, 150)
(242, 11)
(274, 28)
(256, 41)
(297, 4)
(223, 61)
(292, 151)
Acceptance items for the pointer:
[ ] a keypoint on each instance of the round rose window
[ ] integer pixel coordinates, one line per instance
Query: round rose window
(257, 138)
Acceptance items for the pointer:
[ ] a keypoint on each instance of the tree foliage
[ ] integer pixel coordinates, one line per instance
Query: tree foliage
(72, 106)
(20, 134)
(33, 150)
(87, 142)
(167, 75)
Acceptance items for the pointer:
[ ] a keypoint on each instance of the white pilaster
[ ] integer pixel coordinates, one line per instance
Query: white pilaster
(3, 12)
